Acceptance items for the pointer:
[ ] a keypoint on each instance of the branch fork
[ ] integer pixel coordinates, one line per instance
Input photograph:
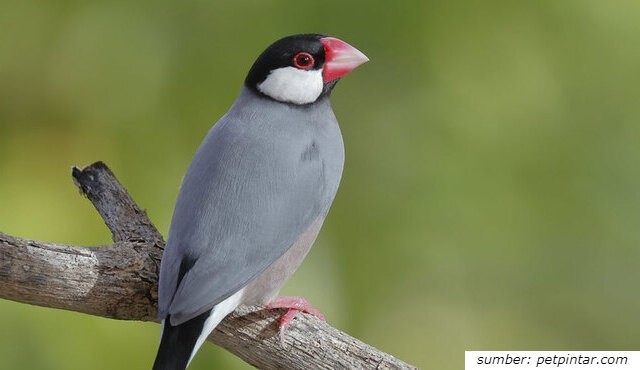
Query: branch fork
(119, 281)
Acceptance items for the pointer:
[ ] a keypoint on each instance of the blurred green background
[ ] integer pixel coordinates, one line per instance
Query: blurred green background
(491, 193)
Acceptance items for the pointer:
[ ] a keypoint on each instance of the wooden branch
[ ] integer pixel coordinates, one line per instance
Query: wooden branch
(119, 281)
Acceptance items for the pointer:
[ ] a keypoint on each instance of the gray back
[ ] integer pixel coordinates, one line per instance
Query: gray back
(261, 176)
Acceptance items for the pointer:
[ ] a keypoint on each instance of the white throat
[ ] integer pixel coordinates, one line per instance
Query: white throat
(292, 85)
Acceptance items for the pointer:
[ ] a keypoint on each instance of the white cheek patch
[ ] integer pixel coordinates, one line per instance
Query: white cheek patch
(292, 85)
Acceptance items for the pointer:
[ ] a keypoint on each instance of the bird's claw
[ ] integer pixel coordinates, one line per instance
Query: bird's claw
(294, 305)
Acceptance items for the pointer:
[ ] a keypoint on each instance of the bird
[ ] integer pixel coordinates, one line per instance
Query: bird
(255, 195)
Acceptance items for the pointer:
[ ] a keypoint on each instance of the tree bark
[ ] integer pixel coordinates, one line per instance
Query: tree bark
(119, 281)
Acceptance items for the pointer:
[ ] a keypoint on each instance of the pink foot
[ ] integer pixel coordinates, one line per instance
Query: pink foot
(294, 304)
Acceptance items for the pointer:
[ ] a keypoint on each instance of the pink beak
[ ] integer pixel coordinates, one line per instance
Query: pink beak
(340, 58)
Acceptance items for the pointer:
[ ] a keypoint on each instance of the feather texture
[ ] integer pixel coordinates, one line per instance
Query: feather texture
(264, 173)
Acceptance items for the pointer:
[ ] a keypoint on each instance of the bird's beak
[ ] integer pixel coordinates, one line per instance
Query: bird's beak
(340, 58)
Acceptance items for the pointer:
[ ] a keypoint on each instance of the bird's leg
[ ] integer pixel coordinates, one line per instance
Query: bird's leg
(294, 304)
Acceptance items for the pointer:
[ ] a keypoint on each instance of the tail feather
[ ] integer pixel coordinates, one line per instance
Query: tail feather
(178, 342)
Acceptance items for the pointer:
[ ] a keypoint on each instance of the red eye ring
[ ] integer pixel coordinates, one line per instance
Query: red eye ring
(303, 60)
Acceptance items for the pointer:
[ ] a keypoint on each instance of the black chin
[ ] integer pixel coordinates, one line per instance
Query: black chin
(328, 87)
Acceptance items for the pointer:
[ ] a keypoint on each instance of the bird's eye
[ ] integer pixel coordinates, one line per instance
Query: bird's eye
(303, 60)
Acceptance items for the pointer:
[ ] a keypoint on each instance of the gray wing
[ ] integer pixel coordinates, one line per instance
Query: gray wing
(254, 186)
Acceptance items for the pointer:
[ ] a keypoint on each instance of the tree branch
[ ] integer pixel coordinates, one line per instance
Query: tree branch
(119, 281)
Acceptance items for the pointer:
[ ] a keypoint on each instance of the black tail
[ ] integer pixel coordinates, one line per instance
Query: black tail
(177, 343)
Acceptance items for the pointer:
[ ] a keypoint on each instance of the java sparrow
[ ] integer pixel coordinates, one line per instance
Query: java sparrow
(255, 194)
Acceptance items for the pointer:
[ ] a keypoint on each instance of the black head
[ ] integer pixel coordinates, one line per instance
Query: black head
(296, 69)
(282, 53)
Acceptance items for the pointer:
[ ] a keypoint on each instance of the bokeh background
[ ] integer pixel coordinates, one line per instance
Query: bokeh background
(491, 193)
